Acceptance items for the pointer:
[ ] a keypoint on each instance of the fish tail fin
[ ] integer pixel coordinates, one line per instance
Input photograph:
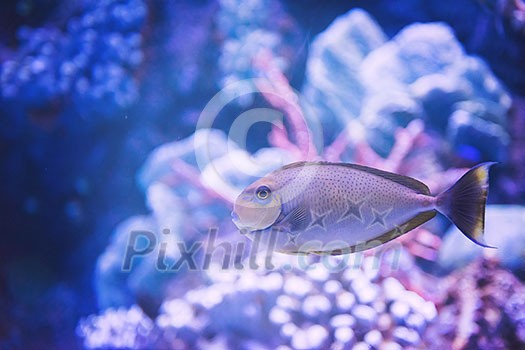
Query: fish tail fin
(464, 202)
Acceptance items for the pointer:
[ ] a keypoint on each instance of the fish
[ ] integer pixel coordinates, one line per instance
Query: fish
(318, 207)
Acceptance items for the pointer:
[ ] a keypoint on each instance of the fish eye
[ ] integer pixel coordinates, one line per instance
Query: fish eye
(263, 192)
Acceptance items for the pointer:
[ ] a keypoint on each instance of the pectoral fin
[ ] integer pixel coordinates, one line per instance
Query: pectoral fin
(296, 220)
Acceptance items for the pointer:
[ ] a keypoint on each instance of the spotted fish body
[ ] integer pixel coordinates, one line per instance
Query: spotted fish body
(335, 208)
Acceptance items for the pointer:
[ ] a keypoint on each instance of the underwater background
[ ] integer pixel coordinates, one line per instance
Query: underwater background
(129, 126)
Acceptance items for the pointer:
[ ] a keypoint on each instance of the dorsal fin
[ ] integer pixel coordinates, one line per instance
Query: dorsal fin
(406, 181)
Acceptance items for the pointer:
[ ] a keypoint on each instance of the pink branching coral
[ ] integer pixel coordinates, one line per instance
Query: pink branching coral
(284, 98)
(406, 157)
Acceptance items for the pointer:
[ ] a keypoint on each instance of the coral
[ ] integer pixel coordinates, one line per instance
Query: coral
(180, 70)
(422, 73)
(276, 89)
(314, 306)
(117, 328)
(249, 28)
(483, 308)
(88, 66)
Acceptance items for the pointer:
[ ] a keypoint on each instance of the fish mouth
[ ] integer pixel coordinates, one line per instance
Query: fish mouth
(243, 229)
(248, 229)
(235, 217)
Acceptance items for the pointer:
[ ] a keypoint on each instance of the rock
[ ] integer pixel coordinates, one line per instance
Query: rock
(475, 138)
(332, 90)
(428, 75)
(424, 74)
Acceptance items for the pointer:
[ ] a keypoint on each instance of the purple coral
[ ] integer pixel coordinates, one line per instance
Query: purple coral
(117, 328)
(302, 309)
(90, 64)
(483, 308)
